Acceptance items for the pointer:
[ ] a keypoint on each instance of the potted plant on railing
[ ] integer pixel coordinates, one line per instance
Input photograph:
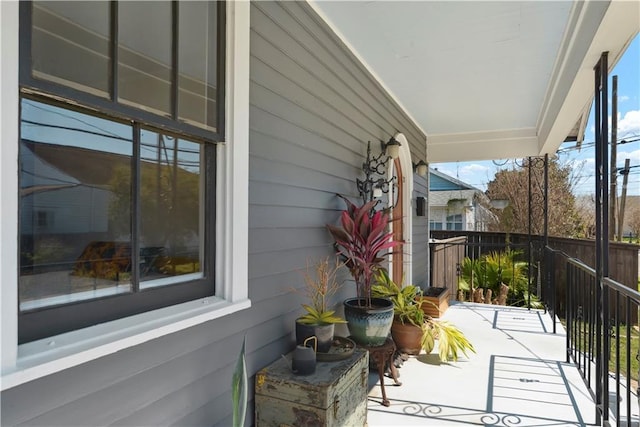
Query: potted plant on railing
(319, 321)
(412, 330)
(363, 240)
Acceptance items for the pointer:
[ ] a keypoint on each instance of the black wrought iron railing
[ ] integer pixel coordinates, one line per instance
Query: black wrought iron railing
(601, 321)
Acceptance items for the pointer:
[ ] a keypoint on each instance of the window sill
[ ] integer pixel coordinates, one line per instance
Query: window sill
(54, 354)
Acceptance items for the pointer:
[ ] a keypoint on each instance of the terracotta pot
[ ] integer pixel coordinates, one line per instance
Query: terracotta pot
(369, 325)
(407, 336)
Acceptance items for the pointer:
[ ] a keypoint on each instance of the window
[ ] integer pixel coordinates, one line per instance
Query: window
(454, 222)
(169, 70)
(117, 142)
(435, 225)
(28, 361)
(44, 219)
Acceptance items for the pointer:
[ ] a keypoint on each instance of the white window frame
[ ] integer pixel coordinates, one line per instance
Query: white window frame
(30, 361)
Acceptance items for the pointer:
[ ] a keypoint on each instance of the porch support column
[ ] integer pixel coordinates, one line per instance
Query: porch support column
(529, 231)
(550, 294)
(602, 235)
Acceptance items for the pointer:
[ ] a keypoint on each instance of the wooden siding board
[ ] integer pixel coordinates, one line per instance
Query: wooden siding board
(280, 239)
(292, 174)
(288, 110)
(323, 41)
(309, 102)
(274, 64)
(264, 264)
(420, 235)
(198, 404)
(60, 391)
(126, 397)
(113, 373)
(267, 128)
(284, 216)
(316, 178)
(274, 24)
(272, 194)
(352, 75)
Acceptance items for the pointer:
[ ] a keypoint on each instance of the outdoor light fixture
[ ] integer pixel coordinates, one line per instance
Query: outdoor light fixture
(392, 148)
(499, 203)
(421, 168)
(375, 170)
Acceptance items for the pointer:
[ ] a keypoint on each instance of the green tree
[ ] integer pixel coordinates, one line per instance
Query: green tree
(634, 223)
(513, 185)
(169, 201)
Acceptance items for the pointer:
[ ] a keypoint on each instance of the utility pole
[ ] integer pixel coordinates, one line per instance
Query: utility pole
(623, 199)
(613, 194)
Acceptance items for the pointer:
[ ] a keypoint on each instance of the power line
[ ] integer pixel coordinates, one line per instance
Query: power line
(621, 141)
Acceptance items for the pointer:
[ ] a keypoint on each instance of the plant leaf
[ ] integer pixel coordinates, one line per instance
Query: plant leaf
(239, 388)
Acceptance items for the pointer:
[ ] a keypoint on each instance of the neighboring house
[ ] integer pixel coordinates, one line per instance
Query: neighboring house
(238, 122)
(455, 205)
(53, 200)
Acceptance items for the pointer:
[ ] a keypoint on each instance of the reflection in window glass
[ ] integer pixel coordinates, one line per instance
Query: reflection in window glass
(144, 55)
(197, 65)
(170, 194)
(70, 44)
(75, 198)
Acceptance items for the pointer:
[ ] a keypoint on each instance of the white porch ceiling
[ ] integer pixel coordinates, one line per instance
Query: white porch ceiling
(487, 79)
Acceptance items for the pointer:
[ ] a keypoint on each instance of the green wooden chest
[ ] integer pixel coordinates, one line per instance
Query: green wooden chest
(335, 395)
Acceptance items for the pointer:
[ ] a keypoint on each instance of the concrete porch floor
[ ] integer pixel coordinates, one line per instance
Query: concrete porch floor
(517, 377)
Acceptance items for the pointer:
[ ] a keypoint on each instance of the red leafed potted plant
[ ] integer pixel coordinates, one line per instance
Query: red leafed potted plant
(363, 240)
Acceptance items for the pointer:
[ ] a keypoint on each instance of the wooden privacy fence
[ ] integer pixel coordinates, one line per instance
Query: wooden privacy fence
(448, 249)
(446, 256)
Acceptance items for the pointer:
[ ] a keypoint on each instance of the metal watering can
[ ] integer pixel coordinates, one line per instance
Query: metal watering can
(304, 358)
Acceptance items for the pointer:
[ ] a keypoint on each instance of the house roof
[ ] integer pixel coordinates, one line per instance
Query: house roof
(440, 195)
(487, 79)
(437, 179)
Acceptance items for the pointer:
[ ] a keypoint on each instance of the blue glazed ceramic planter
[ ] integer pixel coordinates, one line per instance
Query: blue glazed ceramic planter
(369, 326)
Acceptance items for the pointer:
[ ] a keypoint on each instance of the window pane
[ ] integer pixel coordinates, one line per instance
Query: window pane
(197, 62)
(144, 55)
(171, 206)
(70, 44)
(75, 198)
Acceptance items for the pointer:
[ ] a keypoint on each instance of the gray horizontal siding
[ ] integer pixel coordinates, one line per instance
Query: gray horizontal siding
(420, 260)
(313, 108)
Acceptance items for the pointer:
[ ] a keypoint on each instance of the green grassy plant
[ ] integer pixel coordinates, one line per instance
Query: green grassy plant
(495, 268)
(581, 343)
(239, 392)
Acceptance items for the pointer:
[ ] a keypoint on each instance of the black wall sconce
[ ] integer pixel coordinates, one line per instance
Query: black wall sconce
(421, 168)
(421, 206)
(375, 170)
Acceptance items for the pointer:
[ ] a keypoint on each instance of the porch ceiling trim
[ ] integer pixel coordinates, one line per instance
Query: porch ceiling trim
(483, 145)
